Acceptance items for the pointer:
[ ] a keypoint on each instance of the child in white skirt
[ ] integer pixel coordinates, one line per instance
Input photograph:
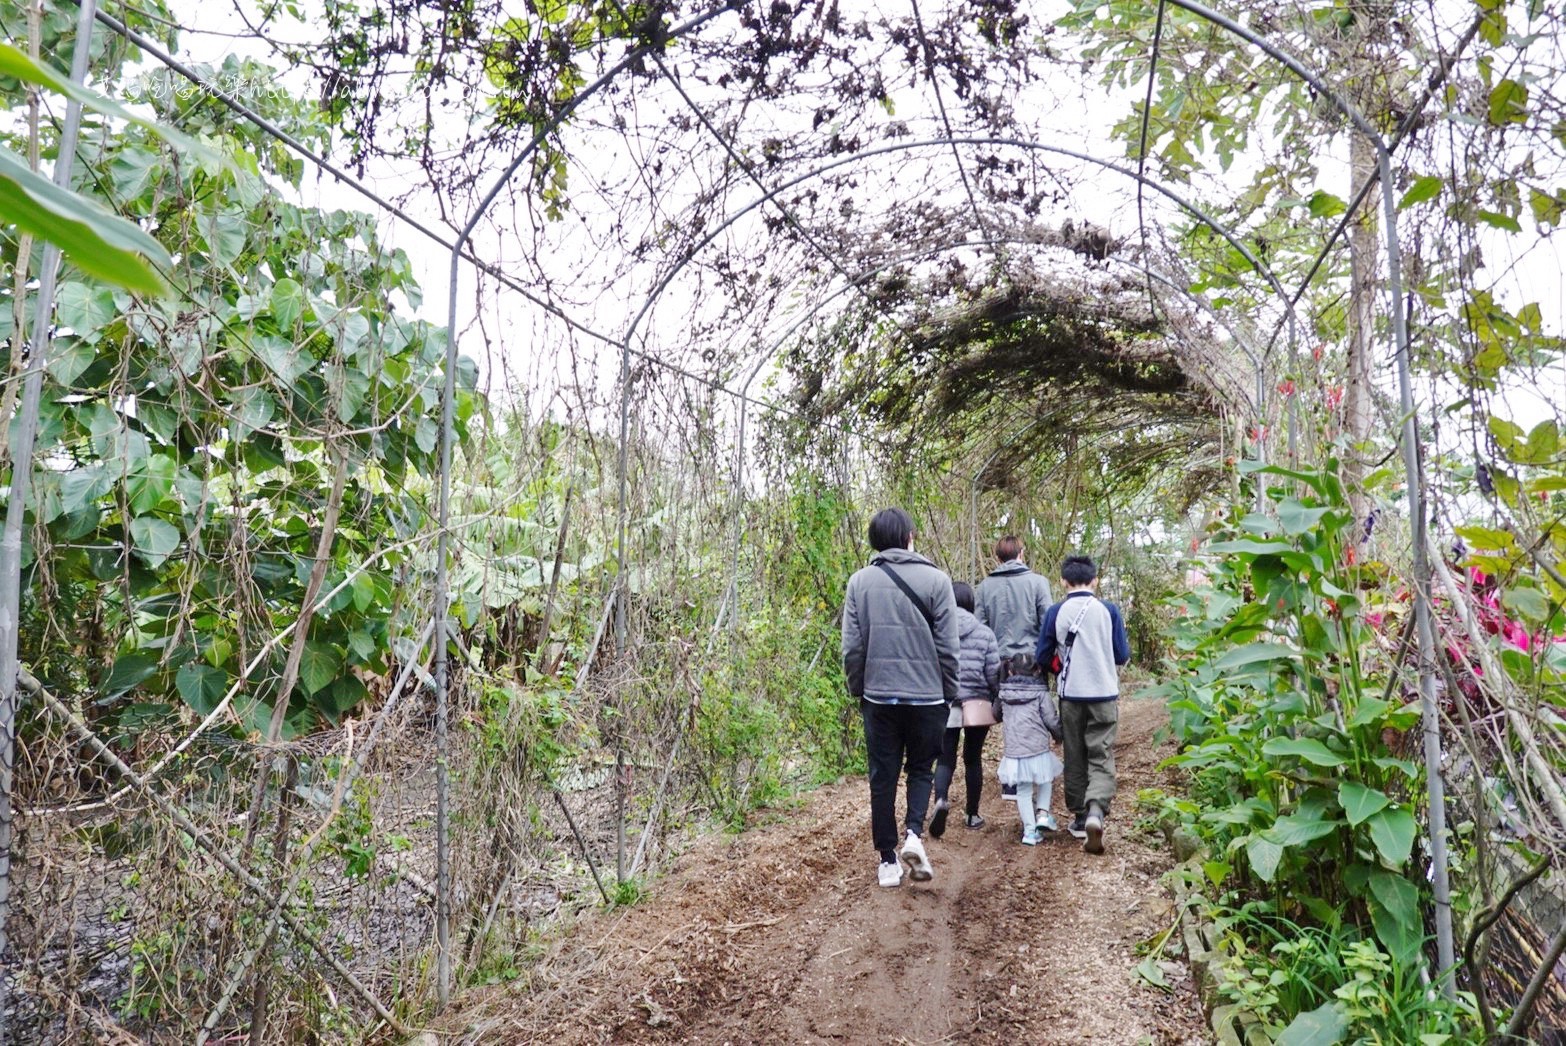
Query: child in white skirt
(1028, 760)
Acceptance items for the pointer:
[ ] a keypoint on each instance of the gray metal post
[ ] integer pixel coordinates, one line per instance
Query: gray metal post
(23, 434)
(1430, 711)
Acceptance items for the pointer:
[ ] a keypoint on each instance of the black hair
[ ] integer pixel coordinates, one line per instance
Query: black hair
(890, 528)
(962, 592)
(1078, 570)
(1022, 665)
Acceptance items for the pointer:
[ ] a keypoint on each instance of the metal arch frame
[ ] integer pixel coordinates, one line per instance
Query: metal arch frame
(442, 613)
(731, 592)
(663, 283)
(1400, 331)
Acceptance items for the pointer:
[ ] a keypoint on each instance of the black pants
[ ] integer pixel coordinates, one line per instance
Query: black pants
(972, 751)
(899, 737)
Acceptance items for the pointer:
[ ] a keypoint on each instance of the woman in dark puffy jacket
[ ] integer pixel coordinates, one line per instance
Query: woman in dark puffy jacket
(978, 675)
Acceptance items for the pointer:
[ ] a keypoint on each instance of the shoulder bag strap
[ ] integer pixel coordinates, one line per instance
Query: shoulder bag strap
(1071, 640)
(929, 618)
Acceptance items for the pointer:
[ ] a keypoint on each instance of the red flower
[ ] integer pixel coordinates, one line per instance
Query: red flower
(1286, 386)
(1350, 556)
(1334, 397)
(1259, 433)
(1316, 353)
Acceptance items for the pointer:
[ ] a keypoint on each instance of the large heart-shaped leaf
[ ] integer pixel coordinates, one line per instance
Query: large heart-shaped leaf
(1324, 1026)
(282, 357)
(1359, 801)
(154, 539)
(1392, 830)
(319, 666)
(202, 686)
(151, 482)
(1307, 748)
(1394, 911)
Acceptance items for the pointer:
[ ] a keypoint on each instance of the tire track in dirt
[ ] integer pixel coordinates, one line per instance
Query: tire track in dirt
(781, 935)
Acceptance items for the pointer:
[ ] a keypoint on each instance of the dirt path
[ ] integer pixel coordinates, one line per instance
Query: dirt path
(781, 935)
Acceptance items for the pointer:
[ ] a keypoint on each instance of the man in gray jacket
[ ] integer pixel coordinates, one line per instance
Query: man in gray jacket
(900, 649)
(1012, 600)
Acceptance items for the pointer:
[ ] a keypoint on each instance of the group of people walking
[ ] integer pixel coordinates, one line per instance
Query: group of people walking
(935, 664)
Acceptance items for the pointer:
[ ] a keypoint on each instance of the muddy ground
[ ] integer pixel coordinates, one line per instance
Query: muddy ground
(781, 935)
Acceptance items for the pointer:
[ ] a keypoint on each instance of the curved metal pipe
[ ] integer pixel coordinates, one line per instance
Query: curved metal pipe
(668, 278)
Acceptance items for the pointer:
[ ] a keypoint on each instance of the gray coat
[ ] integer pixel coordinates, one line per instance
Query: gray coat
(1030, 721)
(978, 666)
(1012, 600)
(890, 653)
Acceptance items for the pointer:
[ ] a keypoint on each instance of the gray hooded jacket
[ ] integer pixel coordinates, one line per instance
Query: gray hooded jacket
(891, 655)
(1013, 601)
(1030, 720)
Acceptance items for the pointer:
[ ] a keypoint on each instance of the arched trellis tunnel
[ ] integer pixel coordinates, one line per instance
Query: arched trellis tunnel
(1436, 808)
(971, 229)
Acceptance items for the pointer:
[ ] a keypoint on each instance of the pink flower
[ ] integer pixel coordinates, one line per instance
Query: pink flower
(1375, 618)
(1516, 635)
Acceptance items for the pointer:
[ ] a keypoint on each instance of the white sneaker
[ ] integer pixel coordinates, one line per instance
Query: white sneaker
(913, 856)
(1093, 829)
(890, 874)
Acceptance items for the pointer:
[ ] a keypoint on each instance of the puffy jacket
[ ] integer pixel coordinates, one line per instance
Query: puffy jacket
(978, 665)
(891, 653)
(1030, 720)
(1012, 600)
